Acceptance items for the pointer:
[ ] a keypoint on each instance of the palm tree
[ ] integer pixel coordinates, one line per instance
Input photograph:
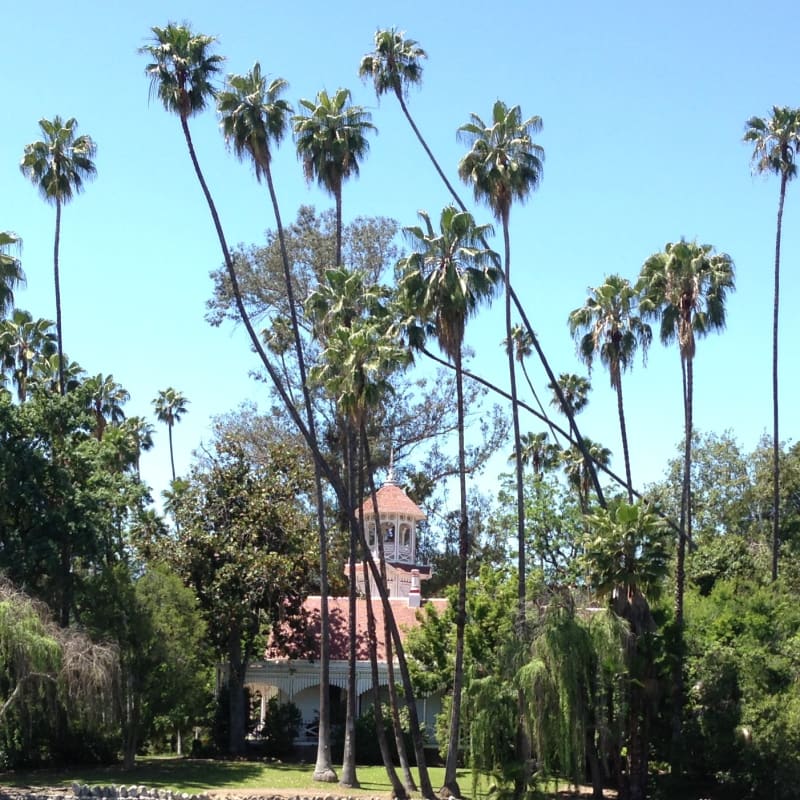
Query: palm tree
(11, 273)
(253, 118)
(442, 283)
(23, 341)
(577, 467)
(107, 399)
(503, 165)
(574, 389)
(331, 139)
(685, 287)
(394, 65)
(608, 326)
(58, 164)
(170, 406)
(538, 452)
(776, 142)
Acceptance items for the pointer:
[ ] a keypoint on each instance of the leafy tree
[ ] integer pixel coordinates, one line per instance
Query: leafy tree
(331, 139)
(442, 284)
(170, 406)
(165, 669)
(776, 141)
(243, 548)
(608, 326)
(43, 667)
(504, 164)
(11, 273)
(58, 164)
(626, 558)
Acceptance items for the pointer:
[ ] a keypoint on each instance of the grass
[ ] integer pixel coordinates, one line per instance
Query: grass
(199, 775)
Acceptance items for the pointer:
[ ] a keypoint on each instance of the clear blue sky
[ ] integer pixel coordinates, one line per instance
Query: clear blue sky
(643, 108)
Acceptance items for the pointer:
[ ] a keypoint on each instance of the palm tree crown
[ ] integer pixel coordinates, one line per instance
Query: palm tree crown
(11, 273)
(182, 70)
(331, 138)
(253, 115)
(686, 286)
(60, 162)
(449, 274)
(607, 326)
(504, 164)
(394, 65)
(776, 141)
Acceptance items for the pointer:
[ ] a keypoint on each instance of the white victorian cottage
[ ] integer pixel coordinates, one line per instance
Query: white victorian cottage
(297, 680)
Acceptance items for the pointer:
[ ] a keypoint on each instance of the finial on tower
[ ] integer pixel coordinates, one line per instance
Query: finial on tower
(390, 475)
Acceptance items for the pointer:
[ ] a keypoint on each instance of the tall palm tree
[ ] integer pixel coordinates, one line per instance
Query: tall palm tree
(776, 142)
(253, 118)
(608, 326)
(331, 139)
(11, 273)
(442, 283)
(23, 341)
(685, 286)
(170, 406)
(58, 164)
(504, 165)
(538, 453)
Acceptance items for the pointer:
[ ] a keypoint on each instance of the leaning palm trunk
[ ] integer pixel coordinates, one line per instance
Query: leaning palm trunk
(425, 784)
(323, 770)
(398, 790)
(776, 469)
(394, 705)
(450, 782)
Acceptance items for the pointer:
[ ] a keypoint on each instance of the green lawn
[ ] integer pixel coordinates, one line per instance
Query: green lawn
(199, 775)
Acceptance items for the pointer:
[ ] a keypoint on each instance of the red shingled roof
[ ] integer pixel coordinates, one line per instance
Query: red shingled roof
(405, 616)
(393, 500)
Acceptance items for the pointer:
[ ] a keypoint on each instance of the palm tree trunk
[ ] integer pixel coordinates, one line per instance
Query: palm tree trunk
(349, 777)
(451, 763)
(394, 704)
(512, 377)
(171, 454)
(338, 196)
(624, 434)
(62, 387)
(454, 194)
(323, 770)
(398, 790)
(776, 469)
(522, 739)
(676, 755)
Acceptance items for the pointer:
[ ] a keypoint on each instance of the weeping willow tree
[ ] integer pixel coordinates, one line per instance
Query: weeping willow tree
(44, 669)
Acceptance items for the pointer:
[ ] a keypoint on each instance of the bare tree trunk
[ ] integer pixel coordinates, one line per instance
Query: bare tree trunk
(62, 386)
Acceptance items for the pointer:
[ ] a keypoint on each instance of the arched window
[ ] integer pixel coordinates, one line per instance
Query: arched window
(405, 535)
